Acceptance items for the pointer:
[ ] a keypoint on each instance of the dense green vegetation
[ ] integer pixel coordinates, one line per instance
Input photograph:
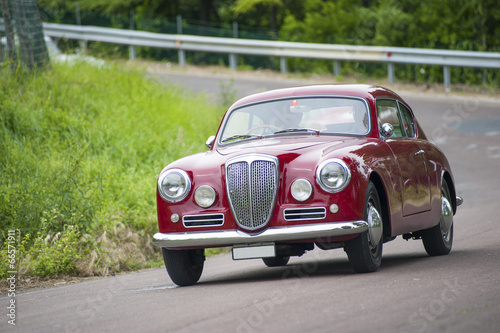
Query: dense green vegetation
(441, 24)
(80, 150)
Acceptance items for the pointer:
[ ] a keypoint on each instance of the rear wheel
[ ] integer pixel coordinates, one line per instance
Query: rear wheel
(365, 251)
(276, 261)
(439, 239)
(184, 266)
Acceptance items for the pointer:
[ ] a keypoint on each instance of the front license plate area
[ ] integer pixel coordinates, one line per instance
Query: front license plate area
(254, 251)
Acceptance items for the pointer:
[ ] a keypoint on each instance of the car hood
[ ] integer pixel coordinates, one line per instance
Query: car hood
(303, 144)
(310, 149)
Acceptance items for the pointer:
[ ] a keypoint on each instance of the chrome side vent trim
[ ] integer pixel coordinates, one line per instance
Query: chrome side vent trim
(203, 220)
(314, 213)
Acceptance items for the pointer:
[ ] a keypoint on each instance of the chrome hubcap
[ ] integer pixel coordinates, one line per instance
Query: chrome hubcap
(375, 226)
(446, 218)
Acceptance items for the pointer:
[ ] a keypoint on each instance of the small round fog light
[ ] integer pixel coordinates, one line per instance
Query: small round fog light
(205, 196)
(301, 190)
(175, 218)
(334, 208)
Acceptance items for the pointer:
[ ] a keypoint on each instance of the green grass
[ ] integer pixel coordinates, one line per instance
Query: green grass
(80, 150)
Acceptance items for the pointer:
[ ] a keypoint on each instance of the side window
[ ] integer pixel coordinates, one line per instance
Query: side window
(407, 120)
(387, 112)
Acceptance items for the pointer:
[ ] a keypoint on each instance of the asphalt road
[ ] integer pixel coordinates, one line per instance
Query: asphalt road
(318, 292)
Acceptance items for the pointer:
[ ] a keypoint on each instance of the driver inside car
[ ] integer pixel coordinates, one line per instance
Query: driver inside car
(287, 115)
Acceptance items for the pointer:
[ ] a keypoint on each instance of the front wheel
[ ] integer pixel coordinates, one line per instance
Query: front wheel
(184, 266)
(439, 239)
(365, 251)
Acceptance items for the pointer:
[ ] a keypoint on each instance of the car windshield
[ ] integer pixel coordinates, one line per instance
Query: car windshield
(325, 115)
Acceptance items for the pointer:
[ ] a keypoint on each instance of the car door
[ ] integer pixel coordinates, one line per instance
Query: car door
(414, 182)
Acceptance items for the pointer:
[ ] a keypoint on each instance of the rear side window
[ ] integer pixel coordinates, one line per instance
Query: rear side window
(407, 120)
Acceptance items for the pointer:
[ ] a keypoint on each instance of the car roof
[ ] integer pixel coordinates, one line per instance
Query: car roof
(366, 91)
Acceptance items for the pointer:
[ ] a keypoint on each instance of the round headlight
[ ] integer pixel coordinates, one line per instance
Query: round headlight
(205, 196)
(174, 185)
(333, 175)
(301, 190)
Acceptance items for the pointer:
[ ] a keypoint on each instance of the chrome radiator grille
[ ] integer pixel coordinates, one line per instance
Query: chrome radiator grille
(252, 182)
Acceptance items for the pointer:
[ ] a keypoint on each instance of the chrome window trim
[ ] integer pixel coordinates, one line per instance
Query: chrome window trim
(412, 118)
(230, 111)
(400, 117)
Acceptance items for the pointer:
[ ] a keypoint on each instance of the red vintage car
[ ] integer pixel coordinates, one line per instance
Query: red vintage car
(332, 166)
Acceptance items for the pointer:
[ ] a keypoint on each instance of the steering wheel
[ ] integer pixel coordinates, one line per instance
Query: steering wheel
(263, 126)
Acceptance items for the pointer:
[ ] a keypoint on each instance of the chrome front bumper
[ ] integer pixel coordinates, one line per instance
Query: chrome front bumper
(218, 238)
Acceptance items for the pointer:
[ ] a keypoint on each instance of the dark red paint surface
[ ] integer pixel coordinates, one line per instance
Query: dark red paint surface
(409, 183)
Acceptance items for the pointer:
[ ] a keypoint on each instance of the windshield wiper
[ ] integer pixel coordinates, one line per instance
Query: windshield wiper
(294, 130)
(241, 136)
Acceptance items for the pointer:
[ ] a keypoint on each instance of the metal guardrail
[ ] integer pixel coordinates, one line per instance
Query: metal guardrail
(283, 50)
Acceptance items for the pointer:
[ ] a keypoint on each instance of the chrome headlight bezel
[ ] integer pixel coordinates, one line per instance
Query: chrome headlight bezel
(182, 181)
(205, 196)
(337, 166)
(301, 189)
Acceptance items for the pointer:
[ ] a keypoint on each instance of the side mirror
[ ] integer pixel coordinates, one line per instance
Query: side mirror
(210, 141)
(386, 130)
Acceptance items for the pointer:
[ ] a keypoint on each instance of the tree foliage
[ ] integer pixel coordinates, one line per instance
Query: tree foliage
(451, 24)
(445, 24)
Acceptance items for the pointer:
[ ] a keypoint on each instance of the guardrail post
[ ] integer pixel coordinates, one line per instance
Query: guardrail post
(390, 72)
(283, 65)
(182, 53)
(233, 58)
(77, 12)
(336, 68)
(82, 43)
(182, 58)
(447, 78)
(131, 48)
(233, 61)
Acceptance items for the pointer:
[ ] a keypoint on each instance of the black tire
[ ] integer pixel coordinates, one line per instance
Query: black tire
(438, 240)
(364, 256)
(276, 261)
(184, 266)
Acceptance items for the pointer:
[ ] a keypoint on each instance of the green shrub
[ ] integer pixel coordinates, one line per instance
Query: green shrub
(53, 254)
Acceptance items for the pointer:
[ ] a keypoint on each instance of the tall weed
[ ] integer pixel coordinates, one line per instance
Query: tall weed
(88, 143)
